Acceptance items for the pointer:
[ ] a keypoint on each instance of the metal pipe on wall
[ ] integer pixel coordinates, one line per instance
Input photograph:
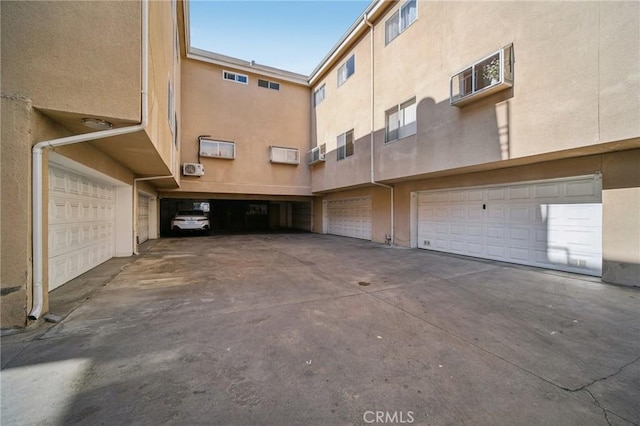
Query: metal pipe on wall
(37, 151)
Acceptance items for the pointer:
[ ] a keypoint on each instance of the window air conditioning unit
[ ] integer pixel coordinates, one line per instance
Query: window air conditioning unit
(192, 169)
(316, 155)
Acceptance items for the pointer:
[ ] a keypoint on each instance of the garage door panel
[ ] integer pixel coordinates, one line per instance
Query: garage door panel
(143, 218)
(475, 249)
(458, 196)
(350, 217)
(441, 244)
(496, 251)
(580, 189)
(495, 233)
(521, 214)
(555, 224)
(457, 229)
(519, 193)
(497, 213)
(457, 213)
(519, 236)
(547, 191)
(81, 224)
(475, 194)
(496, 194)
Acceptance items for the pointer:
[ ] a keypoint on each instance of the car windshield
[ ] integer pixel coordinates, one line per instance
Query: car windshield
(190, 213)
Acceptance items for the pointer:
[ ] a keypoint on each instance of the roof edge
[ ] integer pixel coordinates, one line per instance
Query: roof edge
(248, 66)
(371, 12)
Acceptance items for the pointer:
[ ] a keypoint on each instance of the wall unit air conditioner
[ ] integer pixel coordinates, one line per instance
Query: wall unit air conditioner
(192, 169)
(316, 155)
(278, 154)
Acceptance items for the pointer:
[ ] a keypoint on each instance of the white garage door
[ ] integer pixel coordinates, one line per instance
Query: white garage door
(350, 217)
(554, 224)
(143, 218)
(81, 224)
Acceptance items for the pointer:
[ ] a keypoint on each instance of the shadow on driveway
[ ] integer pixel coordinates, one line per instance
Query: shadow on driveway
(311, 329)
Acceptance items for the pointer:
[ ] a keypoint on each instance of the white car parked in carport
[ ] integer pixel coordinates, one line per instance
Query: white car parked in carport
(190, 220)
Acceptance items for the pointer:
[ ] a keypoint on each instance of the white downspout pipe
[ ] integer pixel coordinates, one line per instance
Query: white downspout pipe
(391, 239)
(36, 190)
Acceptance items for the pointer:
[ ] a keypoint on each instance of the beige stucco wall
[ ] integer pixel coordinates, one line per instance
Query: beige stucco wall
(577, 84)
(15, 227)
(345, 108)
(89, 64)
(621, 218)
(56, 68)
(254, 118)
(163, 69)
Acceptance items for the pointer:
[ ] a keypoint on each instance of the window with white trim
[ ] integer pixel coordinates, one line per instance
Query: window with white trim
(238, 78)
(319, 95)
(171, 108)
(345, 145)
(346, 70)
(217, 149)
(268, 84)
(282, 155)
(400, 21)
(483, 78)
(401, 121)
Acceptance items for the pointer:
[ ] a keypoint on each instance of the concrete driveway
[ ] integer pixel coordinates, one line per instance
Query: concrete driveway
(320, 330)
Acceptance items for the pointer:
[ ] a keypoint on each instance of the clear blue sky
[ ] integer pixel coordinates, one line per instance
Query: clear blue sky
(293, 35)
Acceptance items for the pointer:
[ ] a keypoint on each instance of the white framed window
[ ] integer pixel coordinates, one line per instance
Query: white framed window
(268, 84)
(346, 70)
(400, 21)
(234, 76)
(486, 76)
(345, 145)
(319, 95)
(171, 107)
(217, 149)
(282, 155)
(175, 135)
(401, 121)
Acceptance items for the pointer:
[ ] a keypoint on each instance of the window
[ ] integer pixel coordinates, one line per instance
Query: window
(284, 155)
(217, 149)
(401, 121)
(401, 20)
(268, 84)
(346, 70)
(318, 96)
(175, 135)
(491, 74)
(238, 78)
(345, 145)
(171, 107)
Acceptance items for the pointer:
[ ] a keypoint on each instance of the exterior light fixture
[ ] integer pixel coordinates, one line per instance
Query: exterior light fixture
(96, 124)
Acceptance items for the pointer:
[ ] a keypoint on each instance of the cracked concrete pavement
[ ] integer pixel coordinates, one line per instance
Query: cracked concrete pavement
(311, 329)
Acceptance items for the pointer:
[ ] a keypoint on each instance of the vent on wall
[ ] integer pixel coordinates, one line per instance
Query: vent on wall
(193, 169)
(316, 154)
(284, 155)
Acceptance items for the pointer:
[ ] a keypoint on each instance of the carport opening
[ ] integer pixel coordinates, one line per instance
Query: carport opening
(240, 216)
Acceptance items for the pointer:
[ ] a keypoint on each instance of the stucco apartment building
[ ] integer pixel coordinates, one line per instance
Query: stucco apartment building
(508, 131)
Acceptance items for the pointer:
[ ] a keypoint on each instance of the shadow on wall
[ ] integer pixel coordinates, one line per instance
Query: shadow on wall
(439, 137)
